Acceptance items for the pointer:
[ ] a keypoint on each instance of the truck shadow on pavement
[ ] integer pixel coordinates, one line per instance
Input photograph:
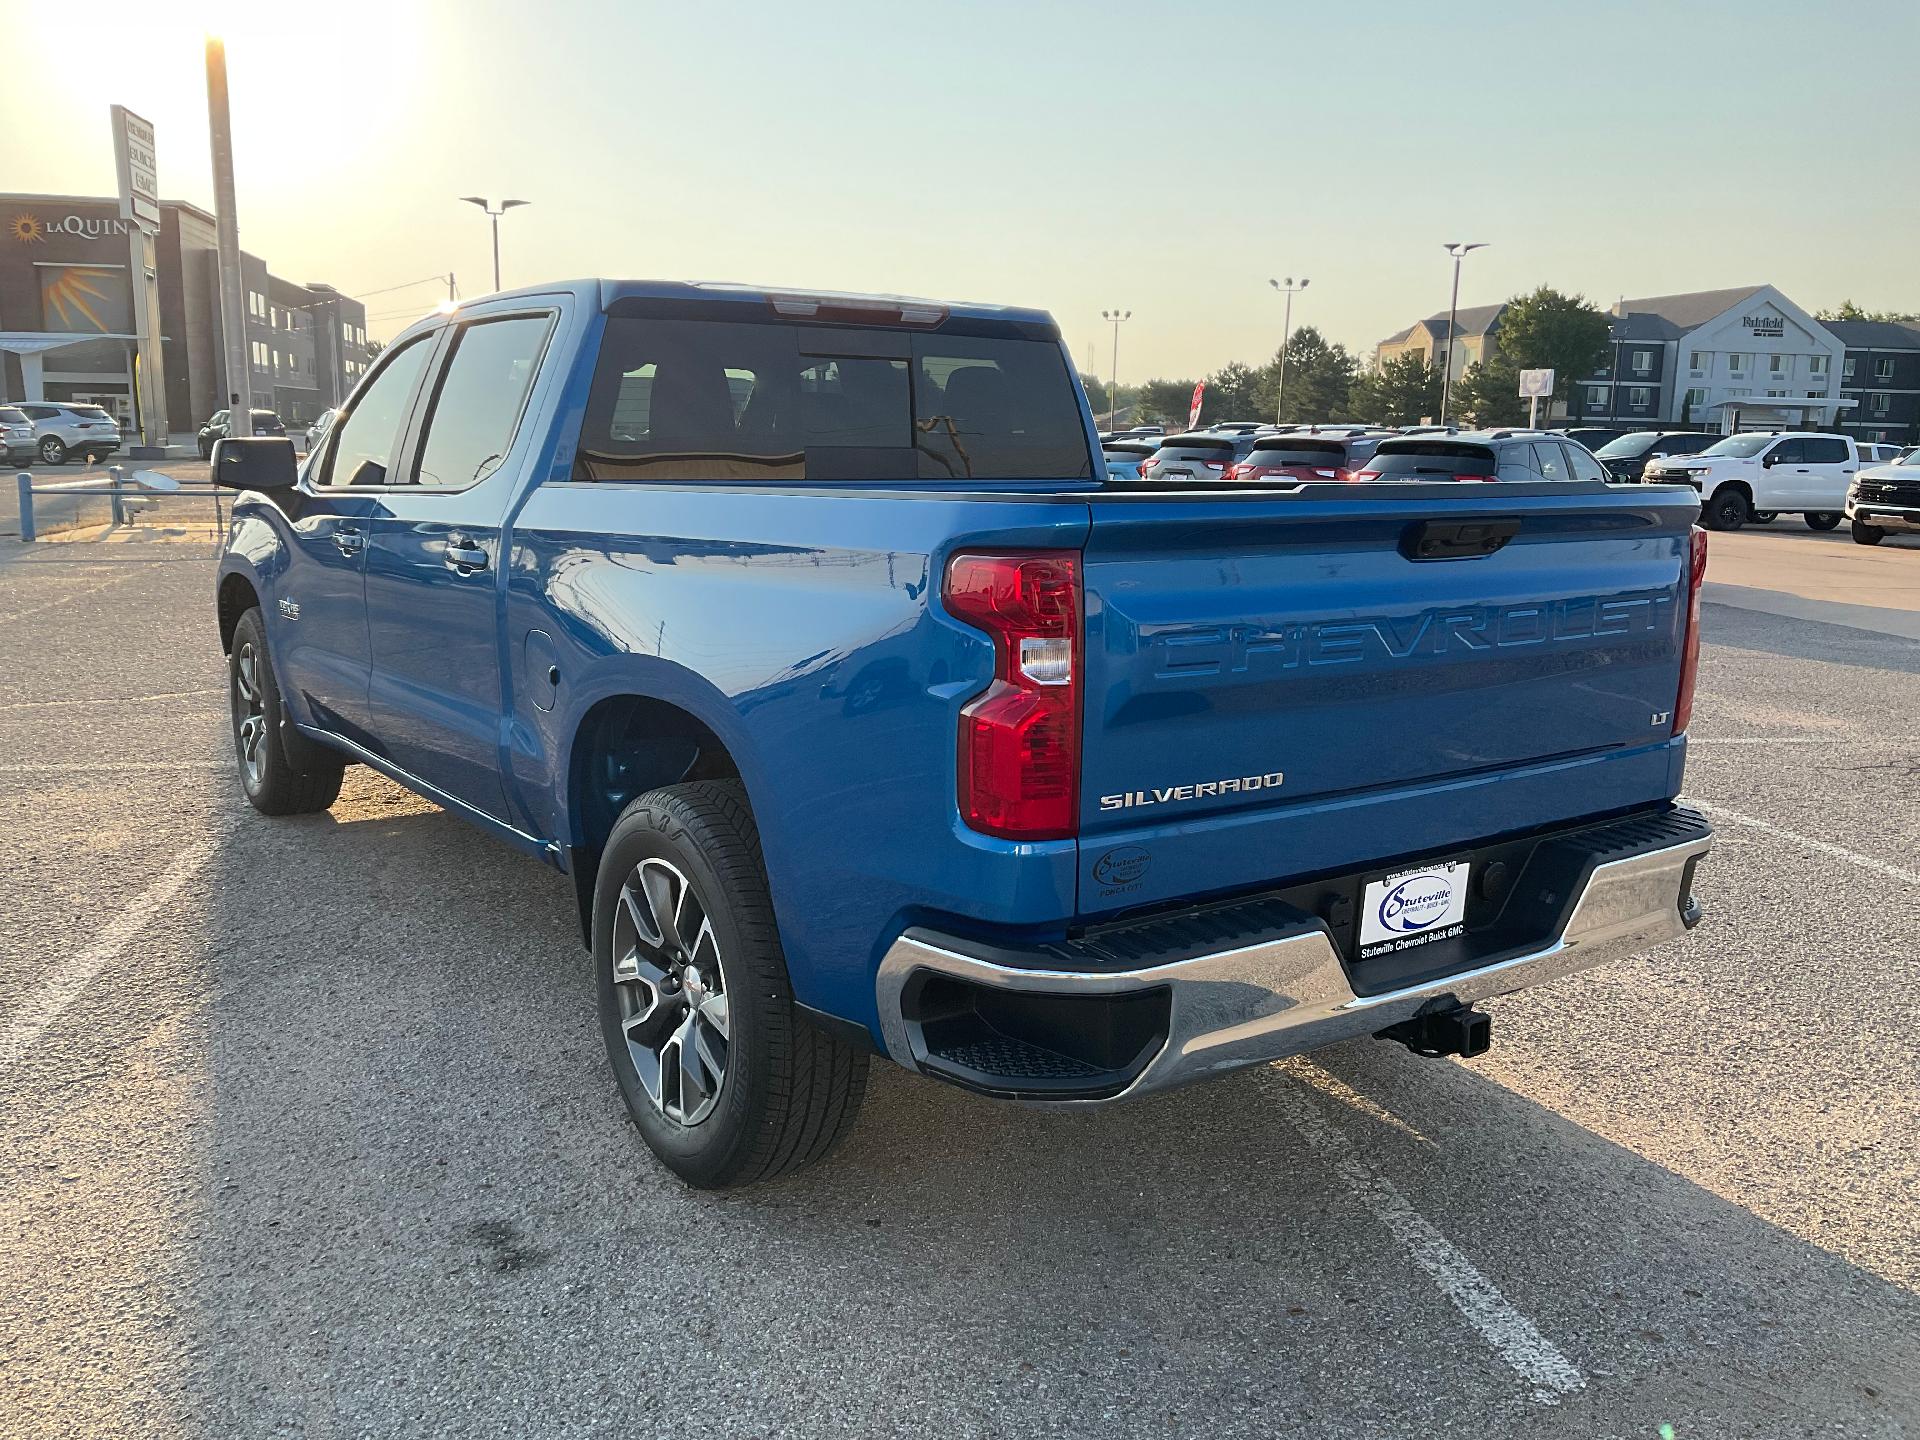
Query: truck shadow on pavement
(1798, 639)
(424, 1211)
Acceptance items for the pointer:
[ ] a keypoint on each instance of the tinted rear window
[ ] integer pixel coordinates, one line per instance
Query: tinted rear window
(89, 412)
(726, 400)
(1432, 459)
(10, 416)
(1297, 452)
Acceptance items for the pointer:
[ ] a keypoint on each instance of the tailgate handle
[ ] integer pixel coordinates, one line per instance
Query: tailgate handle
(1457, 539)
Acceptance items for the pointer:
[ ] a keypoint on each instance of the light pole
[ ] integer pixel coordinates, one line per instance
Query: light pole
(494, 215)
(1458, 250)
(1113, 380)
(233, 319)
(1286, 334)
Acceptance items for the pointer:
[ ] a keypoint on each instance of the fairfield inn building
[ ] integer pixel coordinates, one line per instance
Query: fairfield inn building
(1746, 358)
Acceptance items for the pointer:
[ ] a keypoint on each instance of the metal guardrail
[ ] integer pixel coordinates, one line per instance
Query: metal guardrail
(118, 493)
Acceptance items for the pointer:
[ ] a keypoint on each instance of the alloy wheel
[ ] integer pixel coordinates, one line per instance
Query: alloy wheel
(672, 990)
(250, 713)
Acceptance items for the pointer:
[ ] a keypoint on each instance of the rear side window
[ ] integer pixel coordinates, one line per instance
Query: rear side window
(1825, 450)
(1551, 459)
(1585, 467)
(483, 391)
(686, 400)
(10, 416)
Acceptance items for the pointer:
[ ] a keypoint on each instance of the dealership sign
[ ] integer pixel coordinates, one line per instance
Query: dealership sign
(133, 154)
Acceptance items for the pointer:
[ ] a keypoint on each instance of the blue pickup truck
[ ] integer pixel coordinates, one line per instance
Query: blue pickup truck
(805, 632)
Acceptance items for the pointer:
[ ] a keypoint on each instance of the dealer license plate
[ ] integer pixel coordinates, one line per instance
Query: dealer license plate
(1420, 905)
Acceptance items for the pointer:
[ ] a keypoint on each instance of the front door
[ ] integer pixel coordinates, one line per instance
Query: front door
(318, 628)
(435, 589)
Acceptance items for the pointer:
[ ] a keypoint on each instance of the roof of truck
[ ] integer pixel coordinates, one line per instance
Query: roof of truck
(795, 299)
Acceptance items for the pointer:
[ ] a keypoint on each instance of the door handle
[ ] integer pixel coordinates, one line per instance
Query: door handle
(349, 542)
(463, 555)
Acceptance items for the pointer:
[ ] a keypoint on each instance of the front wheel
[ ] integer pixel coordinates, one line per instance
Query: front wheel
(724, 1079)
(1824, 519)
(1867, 534)
(1726, 509)
(281, 775)
(53, 450)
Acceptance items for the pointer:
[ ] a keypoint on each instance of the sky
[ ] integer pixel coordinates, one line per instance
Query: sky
(1163, 159)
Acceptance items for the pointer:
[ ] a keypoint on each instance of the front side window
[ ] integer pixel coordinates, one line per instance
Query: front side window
(1787, 452)
(483, 391)
(683, 400)
(364, 442)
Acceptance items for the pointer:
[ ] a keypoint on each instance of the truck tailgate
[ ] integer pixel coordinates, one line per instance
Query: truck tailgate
(1284, 685)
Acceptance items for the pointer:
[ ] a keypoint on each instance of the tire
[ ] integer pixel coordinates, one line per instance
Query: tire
(281, 772)
(206, 450)
(1763, 517)
(783, 1091)
(1726, 509)
(1824, 519)
(1867, 534)
(53, 450)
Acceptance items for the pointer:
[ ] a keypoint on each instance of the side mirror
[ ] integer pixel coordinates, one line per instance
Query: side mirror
(1768, 460)
(254, 462)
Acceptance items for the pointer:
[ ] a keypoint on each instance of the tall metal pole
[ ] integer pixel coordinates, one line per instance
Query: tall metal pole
(1113, 381)
(1458, 250)
(233, 317)
(495, 215)
(1286, 338)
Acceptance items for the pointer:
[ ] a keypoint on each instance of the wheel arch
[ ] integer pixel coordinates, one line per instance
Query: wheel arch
(237, 595)
(624, 743)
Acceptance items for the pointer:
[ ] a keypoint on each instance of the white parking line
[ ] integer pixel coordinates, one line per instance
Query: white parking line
(1514, 1337)
(68, 598)
(116, 767)
(73, 974)
(1825, 847)
(113, 699)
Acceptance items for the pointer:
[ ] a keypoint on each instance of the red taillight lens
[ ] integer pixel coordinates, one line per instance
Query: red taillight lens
(1019, 768)
(1690, 647)
(1487, 479)
(1366, 474)
(1216, 464)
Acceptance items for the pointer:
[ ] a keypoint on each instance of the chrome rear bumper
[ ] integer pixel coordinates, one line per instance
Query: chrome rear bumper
(1290, 993)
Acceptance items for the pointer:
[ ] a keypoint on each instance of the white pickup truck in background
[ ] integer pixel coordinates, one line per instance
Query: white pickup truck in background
(1761, 474)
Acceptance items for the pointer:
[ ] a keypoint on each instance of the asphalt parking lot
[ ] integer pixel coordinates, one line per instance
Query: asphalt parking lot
(305, 1126)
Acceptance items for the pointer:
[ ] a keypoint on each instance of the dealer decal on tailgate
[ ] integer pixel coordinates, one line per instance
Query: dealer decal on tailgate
(1414, 907)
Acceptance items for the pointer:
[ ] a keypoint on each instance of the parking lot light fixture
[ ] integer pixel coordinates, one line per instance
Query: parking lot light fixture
(1289, 289)
(494, 215)
(1458, 250)
(1113, 382)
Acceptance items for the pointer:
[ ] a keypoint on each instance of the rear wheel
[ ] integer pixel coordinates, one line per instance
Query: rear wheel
(1867, 534)
(724, 1079)
(1726, 509)
(1824, 519)
(282, 774)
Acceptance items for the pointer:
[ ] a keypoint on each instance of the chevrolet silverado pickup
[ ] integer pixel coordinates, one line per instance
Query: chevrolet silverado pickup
(805, 633)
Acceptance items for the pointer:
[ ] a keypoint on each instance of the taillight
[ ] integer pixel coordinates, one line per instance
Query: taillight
(1019, 764)
(1690, 646)
(1343, 475)
(1366, 475)
(1487, 479)
(1216, 464)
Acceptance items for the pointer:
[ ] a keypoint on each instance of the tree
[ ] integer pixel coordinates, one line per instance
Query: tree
(1849, 311)
(1096, 389)
(1489, 394)
(1319, 380)
(1551, 331)
(1164, 401)
(1232, 394)
(1402, 391)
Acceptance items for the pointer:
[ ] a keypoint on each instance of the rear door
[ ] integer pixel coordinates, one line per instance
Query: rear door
(1830, 467)
(434, 560)
(1276, 686)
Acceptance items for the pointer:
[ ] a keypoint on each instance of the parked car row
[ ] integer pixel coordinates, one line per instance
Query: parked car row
(1306, 454)
(265, 422)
